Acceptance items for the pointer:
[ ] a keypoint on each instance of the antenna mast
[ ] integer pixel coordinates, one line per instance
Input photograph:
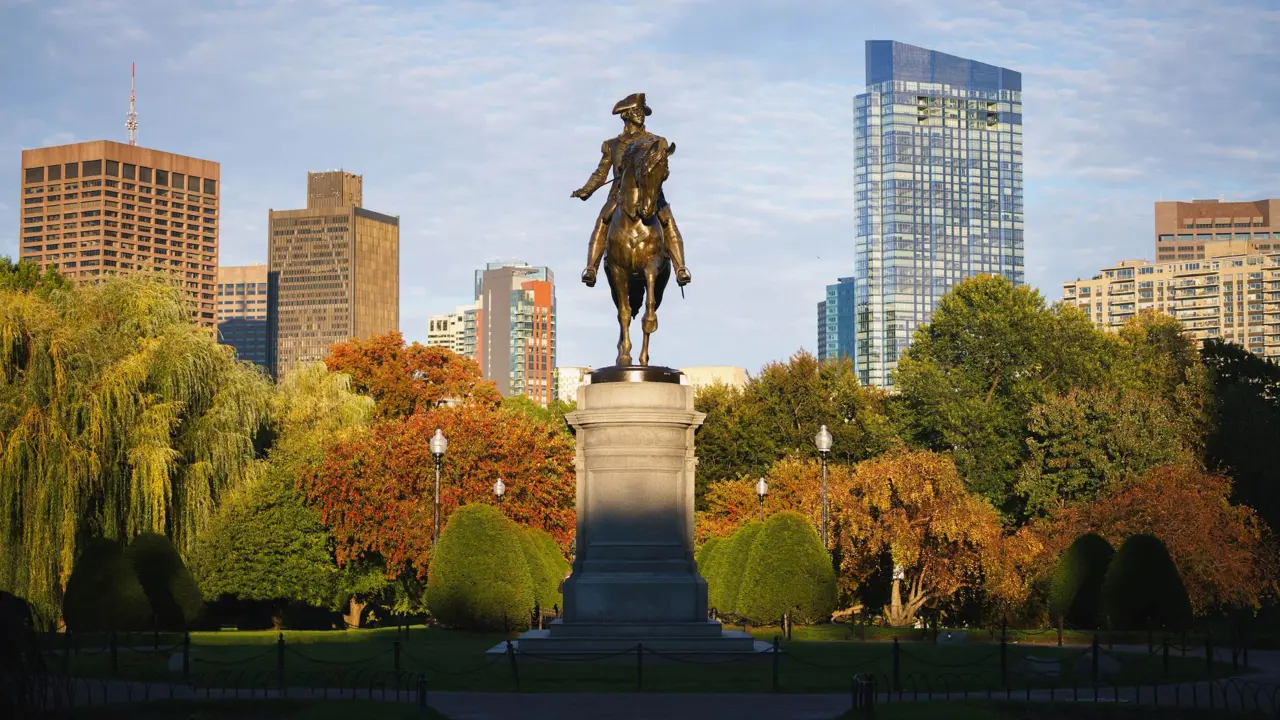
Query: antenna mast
(132, 123)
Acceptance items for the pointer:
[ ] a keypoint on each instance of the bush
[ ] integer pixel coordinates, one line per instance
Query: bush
(479, 578)
(1142, 586)
(731, 560)
(787, 571)
(703, 553)
(708, 559)
(1077, 581)
(546, 566)
(171, 589)
(103, 592)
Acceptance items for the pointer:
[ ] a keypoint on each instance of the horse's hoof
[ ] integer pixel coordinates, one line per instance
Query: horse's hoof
(624, 360)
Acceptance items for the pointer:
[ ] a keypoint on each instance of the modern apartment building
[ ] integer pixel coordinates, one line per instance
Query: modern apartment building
(568, 380)
(333, 275)
(836, 321)
(242, 311)
(516, 329)
(455, 331)
(938, 190)
(1233, 294)
(705, 375)
(102, 208)
(1184, 229)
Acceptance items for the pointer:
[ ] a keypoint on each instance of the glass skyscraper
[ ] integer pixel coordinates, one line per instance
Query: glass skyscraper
(938, 190)
(835, 321)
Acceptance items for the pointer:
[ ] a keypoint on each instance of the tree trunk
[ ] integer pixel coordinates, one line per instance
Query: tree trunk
(900, 614)
(354, 608)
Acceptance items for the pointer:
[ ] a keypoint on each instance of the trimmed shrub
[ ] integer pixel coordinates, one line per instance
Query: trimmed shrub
(556, 562)
(731, 561)
(1142, 586)
(704, 552)
(544, 572)
(171, 589)
(709, 568)
(103, 592)
(479, 578)
(787, 571)
(1077, 581)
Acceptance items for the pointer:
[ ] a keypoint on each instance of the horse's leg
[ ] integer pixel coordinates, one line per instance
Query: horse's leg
(619, 283)
(650, 308)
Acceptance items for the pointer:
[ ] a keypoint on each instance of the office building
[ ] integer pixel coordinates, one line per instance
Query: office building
(455, 331)
(568, 380)
(938, 191)
(1184, 229)
(1233, 294)
(706, 375)
(516, 329)
(242, 311)
(333, 275)
(97, 209)
(836, 321)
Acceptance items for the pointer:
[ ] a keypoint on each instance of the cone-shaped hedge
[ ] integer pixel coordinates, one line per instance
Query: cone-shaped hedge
(546, 566)
(171, 589)
(730, 561)
(1142, 586)
(787, 571)
(103, 593)
(703, 553)
(1077, 581)
(708, 560)
(479, 578)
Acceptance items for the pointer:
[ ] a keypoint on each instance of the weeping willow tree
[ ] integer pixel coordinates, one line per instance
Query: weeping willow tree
(118, 416)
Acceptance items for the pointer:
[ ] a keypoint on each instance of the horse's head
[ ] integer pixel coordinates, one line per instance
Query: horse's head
(646, 170)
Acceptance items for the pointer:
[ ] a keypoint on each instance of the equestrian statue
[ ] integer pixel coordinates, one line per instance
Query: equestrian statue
(635, 232)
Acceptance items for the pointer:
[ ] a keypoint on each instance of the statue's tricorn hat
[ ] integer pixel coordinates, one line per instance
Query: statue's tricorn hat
(634, 100)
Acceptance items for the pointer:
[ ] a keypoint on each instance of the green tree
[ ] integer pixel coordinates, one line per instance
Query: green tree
(1088, 440)
(25, 276)
(103, 593)
(1245, 425)
(1142, 588)
(552, 415)
(788, 572)
(703, 554)
(176, 602)
(120, 416)
(731, 564)
(479, 578)
(1077, 581)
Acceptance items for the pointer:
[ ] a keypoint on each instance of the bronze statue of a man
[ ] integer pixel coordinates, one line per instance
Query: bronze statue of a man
(633, 110)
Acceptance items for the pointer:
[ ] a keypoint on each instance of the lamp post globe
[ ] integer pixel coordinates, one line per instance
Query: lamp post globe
(762, 489)
(823, 442)
(439, 444)
(499, 489)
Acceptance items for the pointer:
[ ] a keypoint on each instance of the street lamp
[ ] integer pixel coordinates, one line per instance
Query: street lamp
(438, 445)
(823, 441)
(499, 488)
(762, 489)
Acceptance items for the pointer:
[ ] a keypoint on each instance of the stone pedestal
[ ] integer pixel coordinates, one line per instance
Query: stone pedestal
(634, 577)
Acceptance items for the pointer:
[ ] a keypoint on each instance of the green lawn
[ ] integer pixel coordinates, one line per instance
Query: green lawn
(819, 659)
(975, 710)
(253, 710)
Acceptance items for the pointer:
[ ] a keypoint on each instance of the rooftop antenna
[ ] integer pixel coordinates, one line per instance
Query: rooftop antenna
(132, 123)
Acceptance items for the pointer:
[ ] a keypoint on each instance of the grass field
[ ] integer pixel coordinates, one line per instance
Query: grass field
(818, 659)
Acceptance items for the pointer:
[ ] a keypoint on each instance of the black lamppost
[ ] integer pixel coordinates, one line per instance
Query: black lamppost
(762, 489)
(823, 441)
(438, 446)
(499, 489)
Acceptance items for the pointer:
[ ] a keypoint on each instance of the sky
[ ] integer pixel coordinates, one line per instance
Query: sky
(474, 120)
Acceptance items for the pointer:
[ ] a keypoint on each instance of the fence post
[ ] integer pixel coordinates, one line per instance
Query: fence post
(396, 648)
(1059, 629)
(115, 655)
(511, 656)
(1094, 662)
(280, 661)
(775, 663)
(422, 699)
(897, 677)
(1208, 652)
(1166, 656)
(186, 656)
(639, 667)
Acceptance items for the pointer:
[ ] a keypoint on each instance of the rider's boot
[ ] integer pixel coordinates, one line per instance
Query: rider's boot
(595, 251)
(675, 247)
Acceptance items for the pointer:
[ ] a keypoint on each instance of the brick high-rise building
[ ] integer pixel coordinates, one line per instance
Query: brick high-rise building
(242, 311)
(102, 208)
(1183, 229)
(334, 272)
(516, 329)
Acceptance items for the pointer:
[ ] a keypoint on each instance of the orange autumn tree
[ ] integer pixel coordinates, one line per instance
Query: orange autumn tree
(795, 483)
(914, 505)
(374, 492)
(407, 379)
(1223, 551)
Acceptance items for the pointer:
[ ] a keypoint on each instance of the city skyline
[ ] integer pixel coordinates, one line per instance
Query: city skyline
(456, 123)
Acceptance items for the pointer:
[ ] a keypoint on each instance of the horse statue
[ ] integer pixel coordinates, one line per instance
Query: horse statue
(637, 262)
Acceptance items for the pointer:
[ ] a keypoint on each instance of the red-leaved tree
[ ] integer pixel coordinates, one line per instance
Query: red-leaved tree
(407, 379)
(374, 492)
